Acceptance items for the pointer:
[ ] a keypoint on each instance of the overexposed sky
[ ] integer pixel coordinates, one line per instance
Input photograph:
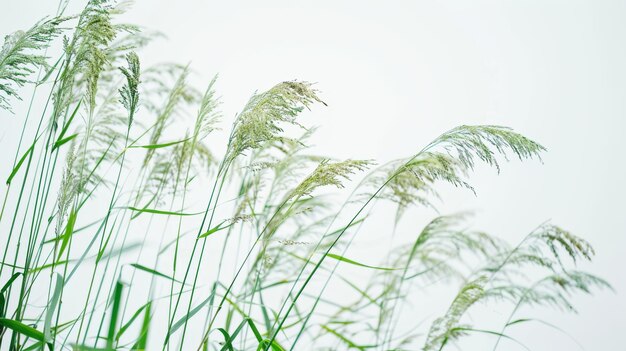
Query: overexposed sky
(397, 74)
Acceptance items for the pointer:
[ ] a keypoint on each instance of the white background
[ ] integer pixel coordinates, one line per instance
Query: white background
(396, 74)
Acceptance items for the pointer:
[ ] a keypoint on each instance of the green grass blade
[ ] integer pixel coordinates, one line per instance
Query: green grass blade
(88, 348)
(228, 343)
(142, 342)
(50, 71)
(23, 329)
(60, 142)
(158, 146)
(115, 309)
(60, 139)
(179, 323)
(19, 164)
(52, 305)
(7, 285)
(341, 337)
(161, 212)
(347, 260)
(343, 229)
(263, 342)
(69, 230)
(213, 230)
(152, 271)
(46, 266)
(130, 321)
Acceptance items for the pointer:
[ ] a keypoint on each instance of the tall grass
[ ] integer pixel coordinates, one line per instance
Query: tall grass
(123, 230)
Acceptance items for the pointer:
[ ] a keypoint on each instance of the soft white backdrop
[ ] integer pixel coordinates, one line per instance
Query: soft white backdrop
(396, 74)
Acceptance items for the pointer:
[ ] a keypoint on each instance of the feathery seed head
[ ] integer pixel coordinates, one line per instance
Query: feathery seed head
(129, 92)
(262, 118)
(328, 173)
(20, 56)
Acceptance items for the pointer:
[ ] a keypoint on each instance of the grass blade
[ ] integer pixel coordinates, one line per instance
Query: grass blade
(179, 323)
(60, 142)
(23, 329)
(69, 230)
(7, 285)
(347, 260)
(60, 139)
(213, 230)
(152, 271)
(161, 212)
(52, 305)
(130, 321)
(158, 146)
(115, 309)
(19, 164)
(142, 342)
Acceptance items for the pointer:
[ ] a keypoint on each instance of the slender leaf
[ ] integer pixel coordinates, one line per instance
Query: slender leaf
(161, 212)
(23, 329)
(152, 271)
(63, 141)
(130, 321)
(52, 305)
(69, 229)
(115, 310)
(158, 146)
(142, 342)
(19, 164)
(213, 230)
(347, 260)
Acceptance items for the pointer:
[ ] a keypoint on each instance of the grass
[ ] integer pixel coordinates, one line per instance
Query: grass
(123, 232)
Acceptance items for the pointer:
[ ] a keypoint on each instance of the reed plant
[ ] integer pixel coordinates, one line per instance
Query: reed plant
(123, 230)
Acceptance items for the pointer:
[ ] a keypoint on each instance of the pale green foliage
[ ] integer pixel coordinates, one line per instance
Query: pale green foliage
(441, 243)
(21, 55)
(505, 278)
(179, 93)
(556, 289)
(546, 240)
(246, 240)
(208, 115)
